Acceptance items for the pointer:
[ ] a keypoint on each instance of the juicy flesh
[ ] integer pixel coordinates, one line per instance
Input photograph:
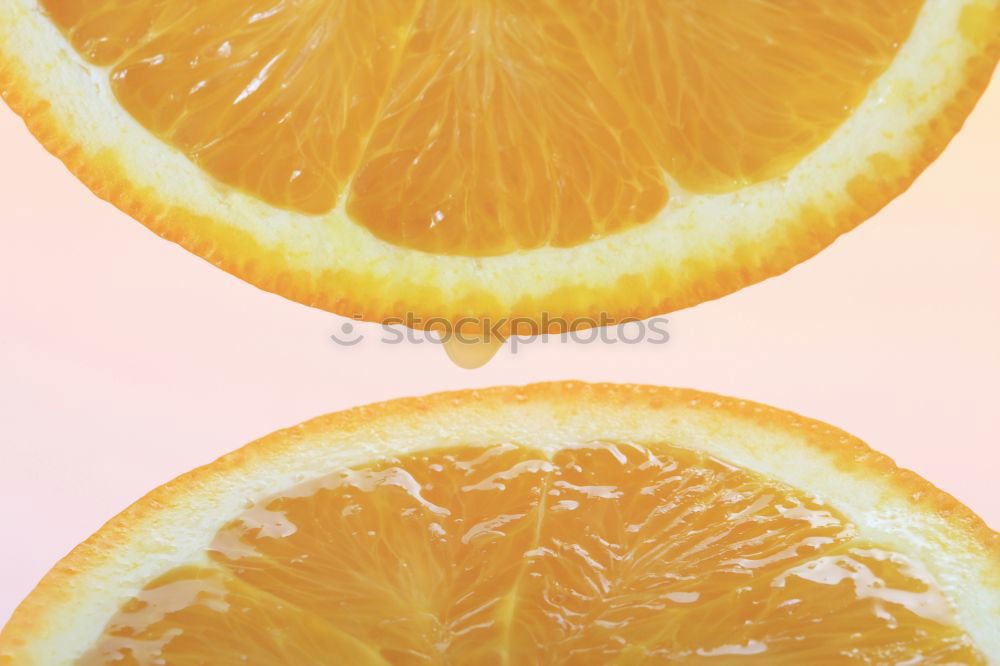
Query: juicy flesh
(482, 127)
(602, 553)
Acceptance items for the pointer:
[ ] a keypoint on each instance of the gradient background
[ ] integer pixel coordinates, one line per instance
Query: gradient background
(125, 361)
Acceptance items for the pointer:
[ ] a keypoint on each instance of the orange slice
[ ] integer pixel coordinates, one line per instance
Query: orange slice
(552, 524)
(503, 159)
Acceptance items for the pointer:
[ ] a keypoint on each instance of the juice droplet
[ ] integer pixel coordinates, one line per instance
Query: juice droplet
(471, 352)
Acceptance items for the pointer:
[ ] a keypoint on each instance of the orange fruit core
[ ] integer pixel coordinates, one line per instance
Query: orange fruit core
(480, 128)
(602, 553)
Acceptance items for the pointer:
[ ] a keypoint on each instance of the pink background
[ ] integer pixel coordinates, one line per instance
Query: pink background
(125, 361)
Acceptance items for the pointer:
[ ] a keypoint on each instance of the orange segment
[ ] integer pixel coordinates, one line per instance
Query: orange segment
(492, 555)
(498, 136)
(735, 92)
(637, 541)
(274, 98)
(426, 545)
(483, 128)
(193, 612)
